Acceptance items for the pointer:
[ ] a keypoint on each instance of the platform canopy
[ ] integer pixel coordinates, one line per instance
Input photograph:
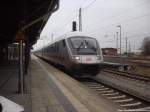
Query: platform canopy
(27, 15)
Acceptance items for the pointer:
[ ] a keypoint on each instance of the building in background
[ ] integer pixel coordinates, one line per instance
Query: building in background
(109, 51)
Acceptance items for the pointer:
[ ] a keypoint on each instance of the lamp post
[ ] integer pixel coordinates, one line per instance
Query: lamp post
(117, 41)
(80, 19)
(120, 37)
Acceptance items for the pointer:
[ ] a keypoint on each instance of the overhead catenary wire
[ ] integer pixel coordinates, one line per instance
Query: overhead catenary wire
(83, 8)
(112, 16)
(89, 5)
(68, 21)
(127, 20)
(126, 47)
(123, 21)
(121, 13)
(130, 37)
(130, 19)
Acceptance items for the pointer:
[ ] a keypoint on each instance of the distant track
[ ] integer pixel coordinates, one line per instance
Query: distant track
(129, 75)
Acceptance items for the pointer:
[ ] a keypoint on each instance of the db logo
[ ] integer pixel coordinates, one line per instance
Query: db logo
(88, 59)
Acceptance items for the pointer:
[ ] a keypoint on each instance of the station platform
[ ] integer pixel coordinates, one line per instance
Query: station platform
(54, 91)
(8, 77)
(49, 90)
(118, 66)
(9, 86)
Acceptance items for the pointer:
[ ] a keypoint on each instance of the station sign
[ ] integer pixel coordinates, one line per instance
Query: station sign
(20, 36)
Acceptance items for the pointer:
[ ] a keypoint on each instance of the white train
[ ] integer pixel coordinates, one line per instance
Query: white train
(75, 52)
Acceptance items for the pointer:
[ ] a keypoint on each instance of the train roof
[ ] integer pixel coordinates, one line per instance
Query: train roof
(70, 34)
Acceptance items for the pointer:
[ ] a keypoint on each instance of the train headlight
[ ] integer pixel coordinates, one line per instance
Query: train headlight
(76, 57)
(98, 58)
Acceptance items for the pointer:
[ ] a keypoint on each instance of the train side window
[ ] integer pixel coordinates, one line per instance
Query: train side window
(57, 47)
(53, 48)
(64, 43)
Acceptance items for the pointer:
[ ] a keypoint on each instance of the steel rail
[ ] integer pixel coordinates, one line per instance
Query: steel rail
(129, 75)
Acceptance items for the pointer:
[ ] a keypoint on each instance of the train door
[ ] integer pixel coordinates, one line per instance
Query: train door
(65, 54)
(61, 53)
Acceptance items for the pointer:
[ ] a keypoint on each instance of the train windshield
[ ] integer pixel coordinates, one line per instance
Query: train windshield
(84, 45)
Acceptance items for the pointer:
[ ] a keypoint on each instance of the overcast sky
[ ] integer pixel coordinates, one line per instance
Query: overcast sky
(100, 18)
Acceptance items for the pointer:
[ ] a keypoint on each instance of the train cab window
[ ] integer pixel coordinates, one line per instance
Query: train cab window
(64, 43)
(83, 45)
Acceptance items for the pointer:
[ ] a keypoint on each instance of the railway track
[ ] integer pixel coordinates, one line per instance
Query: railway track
(138, 77)
(125, 101)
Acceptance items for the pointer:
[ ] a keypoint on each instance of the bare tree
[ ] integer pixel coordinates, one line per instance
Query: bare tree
(146, 46)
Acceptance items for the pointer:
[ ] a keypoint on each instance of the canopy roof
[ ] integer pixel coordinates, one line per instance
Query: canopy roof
(27, 15)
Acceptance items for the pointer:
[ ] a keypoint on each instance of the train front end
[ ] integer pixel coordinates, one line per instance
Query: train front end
(86, 55)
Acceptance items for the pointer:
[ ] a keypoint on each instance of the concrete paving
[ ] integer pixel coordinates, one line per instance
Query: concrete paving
(50, 90)
(43, 98)
(8, 77)
(52, 87)
(9, 85)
